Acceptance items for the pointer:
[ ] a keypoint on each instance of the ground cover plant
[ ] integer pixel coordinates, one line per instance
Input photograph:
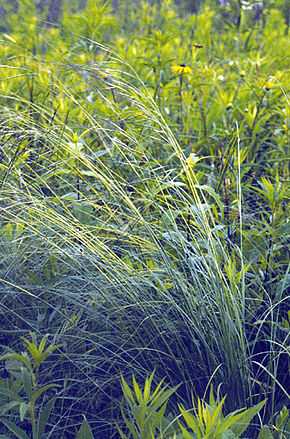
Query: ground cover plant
(144, 261)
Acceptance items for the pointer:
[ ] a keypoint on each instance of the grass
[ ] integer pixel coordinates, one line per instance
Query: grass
(133, 249)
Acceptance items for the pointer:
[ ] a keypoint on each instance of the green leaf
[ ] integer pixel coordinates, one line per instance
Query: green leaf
(43, 418)
(284, 284)
(212, 401)
(13, 366)
(211, 192)
(20, 434)
(157, 419)
(169, 184)
(21, 357)
(126, 390)
(22, 410)
(186, 434)
(137, 390)
(229, 421)
(128, 424)
(10, 406)
(158, 402)
(38, 392)
(216, 412)
(240, 426)
(9, 394)
(149, 61)
(32, 348)
(281, 418)
(26, 380)
(147, 387)
(40, 359)
(156, 391)
(191, 422)
(85, 431)
(42, 343)
(265, 433)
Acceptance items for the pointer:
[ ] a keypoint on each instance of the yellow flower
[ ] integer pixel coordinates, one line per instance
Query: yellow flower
(269, 86)
(229, 106)
(181, 68)
(242, 73)
(284, 126)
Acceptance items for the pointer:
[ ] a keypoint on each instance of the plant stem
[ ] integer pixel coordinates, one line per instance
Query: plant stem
(268, 260)
(181, 103)
(227, 210)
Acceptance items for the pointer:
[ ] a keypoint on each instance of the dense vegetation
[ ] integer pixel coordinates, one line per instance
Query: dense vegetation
(143, 219)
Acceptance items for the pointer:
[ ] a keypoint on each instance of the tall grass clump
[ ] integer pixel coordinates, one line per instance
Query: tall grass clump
(117, 243)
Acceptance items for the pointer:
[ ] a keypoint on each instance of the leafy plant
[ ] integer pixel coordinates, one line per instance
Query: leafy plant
(147, 408)
(22, 391)
(280, 429)
(85, 431)
(208, 422)
(139, 208)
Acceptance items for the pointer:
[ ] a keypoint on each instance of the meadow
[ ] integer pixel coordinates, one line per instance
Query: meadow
(144, 270)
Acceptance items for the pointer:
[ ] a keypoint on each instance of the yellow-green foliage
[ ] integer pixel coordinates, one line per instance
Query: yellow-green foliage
(143, 212)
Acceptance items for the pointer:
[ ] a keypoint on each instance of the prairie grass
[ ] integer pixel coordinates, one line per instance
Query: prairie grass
(133, 252)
